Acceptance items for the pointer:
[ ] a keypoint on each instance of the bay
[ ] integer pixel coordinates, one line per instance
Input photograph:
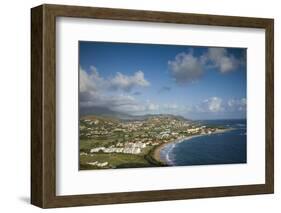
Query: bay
(229, 147)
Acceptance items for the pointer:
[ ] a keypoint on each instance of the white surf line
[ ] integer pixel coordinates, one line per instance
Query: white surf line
(167, 156)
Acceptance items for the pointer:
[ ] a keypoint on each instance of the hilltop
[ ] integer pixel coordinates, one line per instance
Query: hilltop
(126, 117)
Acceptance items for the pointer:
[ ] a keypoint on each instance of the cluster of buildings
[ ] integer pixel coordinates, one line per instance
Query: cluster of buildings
(128, 148)
(201, 130)
(167, 134)
(98, 164)
(134, 136)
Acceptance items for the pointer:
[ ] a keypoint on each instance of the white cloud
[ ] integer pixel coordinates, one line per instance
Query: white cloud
(90, 81)
(93, 81)
(186, 68)
(152, 107)
(221, 59)
(124, 103)
(126, 83)
(213, 104)
(171, 106)
(216, 105)
(119, 103)
(96, 91)
(237, 104)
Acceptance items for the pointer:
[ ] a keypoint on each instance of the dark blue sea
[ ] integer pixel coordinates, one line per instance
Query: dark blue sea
(229, 147)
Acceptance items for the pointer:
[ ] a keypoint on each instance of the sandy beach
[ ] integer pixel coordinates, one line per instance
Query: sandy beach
(157, 151)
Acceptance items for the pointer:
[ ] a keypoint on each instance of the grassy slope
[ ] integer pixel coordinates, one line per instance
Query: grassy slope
(117, 160)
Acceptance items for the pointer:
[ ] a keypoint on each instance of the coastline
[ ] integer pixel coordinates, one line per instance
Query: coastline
(157, 152)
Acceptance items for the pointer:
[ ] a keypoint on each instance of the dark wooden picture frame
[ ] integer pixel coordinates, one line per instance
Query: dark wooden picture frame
(43, 105)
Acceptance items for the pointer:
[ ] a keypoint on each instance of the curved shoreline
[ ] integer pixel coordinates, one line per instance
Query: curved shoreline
(157, 152)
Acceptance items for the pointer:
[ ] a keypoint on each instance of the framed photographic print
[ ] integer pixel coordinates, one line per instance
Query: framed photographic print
(136, 106)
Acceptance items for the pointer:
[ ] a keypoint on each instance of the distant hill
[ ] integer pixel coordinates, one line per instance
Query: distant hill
(149, 116)
(101, 111)
(115, 116)
(97, 117)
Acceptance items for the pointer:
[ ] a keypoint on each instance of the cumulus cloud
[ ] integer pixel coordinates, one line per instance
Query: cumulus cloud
(221, 59)
(117, 103)
(237, 104)
(217, 104)
(152, 107)
(92, 81)
(98, 92)
(172, 106)
(186, 68)
(124, 103)
(126, 83)
(213, 104)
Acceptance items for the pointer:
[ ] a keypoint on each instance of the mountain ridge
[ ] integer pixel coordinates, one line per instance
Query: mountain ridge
(126, 117)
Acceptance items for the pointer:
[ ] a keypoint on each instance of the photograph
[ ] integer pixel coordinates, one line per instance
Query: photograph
(155, 105)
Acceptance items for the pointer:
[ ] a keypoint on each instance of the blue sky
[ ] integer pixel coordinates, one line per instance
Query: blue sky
(137, 79)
